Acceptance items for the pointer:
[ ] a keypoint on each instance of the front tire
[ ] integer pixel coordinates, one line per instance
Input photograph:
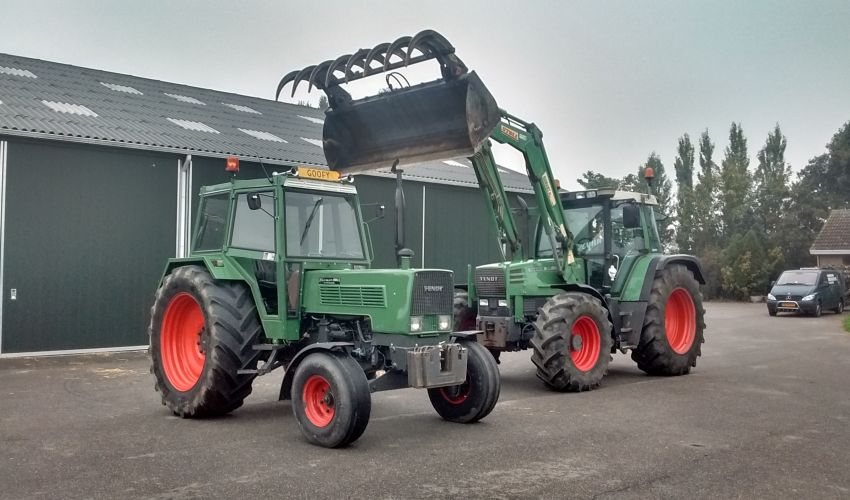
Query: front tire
(202, 332)
(572, 342)
(840, 308)
(474, 399)
(672, 334)
(331, 399)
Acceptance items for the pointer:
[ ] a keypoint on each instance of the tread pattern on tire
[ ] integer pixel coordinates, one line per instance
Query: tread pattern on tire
(551, 341)
(654, 354)
(233, 327)
(480, 405)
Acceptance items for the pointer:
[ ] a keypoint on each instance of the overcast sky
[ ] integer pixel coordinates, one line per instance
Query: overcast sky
(607, 81)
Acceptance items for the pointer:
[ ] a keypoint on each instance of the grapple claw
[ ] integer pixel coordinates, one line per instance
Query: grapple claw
(358, 60)
(440, 119)
(318, 73)
(335, 66)
(283, 81)
(376, 54)
(396, 49)
(301, 76)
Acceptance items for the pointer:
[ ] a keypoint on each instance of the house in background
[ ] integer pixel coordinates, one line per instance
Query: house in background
(832, 244)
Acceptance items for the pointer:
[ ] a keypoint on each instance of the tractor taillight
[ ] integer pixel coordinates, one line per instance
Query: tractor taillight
(232, 164)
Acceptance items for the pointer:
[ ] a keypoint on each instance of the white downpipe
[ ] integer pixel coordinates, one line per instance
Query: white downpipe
(184, 206)
(4, 147)
(423, 226)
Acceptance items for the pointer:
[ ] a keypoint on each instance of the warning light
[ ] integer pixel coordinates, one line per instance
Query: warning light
(649, 173)
(232, 164)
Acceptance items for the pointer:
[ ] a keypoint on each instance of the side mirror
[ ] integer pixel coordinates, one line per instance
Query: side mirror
(772, 282)
(254, 201)
(631, 216)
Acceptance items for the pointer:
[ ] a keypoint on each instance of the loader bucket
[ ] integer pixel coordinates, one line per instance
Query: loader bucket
(430, 121)
(442, 119)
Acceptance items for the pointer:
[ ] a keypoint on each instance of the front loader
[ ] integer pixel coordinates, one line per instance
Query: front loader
(597, 280)
(279, 274)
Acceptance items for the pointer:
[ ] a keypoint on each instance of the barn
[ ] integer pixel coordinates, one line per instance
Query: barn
(99, 174)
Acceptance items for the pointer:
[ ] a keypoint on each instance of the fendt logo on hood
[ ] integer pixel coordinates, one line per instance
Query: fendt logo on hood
(433, 288)
(488, 279)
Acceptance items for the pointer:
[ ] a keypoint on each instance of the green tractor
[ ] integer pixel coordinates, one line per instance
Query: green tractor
(279, 274)
(597, 280)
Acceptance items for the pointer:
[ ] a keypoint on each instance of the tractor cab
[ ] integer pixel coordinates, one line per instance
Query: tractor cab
(610, 229)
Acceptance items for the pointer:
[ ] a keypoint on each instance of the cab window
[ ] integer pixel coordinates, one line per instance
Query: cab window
(254, 229)
(213, 222)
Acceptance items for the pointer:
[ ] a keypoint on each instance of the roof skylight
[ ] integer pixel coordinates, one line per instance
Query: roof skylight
(196, 126)
(17, 72)
(315, 142)
(74, 109)
(453, 163)
(183, 98)
(263, 136)
(239, 107)
(311, 119)
(121, 88)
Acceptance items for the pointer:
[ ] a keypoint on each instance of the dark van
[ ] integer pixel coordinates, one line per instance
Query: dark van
(807, 291)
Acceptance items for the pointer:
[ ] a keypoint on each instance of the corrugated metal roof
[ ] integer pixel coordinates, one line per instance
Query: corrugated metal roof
(835, 235)
(107, 108)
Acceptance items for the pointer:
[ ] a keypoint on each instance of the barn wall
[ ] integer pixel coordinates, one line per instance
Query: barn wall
(87, 231)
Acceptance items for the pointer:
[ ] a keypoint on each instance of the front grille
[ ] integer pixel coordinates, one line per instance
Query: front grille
(353, 295)
(433, 293)
(490, 282)
(530, 305)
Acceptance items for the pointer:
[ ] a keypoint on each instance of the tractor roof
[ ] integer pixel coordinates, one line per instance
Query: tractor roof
(614, 194)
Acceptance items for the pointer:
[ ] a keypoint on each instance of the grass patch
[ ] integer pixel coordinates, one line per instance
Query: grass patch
(847, 323)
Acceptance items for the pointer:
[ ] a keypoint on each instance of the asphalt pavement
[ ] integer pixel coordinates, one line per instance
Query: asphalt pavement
(766, 414)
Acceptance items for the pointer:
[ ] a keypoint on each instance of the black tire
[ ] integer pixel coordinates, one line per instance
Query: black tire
(818, 310)
(343, 412)
(561, 362)
(464, 314)
(475, 398)
(840, 308)
(655, 354)
(229, 327)
(771, 312)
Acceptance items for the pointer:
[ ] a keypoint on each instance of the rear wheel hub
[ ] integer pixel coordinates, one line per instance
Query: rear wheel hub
(181, 342)
(585, 343)
(680, 321)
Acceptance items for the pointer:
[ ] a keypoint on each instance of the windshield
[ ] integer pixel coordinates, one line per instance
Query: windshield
(798, 278)
(322, 225)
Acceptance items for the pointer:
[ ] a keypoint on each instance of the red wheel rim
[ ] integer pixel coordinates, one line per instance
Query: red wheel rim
(456, 394)
(680, 321)
(318, 401)
(585, 356)
(180, 338)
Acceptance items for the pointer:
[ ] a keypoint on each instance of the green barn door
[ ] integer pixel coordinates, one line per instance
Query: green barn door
(87, 231)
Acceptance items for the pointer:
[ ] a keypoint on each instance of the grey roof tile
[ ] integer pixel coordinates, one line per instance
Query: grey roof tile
(835, 234)
(127, 118)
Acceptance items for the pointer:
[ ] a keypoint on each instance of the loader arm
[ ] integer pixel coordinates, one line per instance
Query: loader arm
(527, 139)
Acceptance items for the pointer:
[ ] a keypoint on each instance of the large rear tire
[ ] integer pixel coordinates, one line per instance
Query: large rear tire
(474, 399)
(672, 335)
(331, 399)
(572, 342)
(202, 332)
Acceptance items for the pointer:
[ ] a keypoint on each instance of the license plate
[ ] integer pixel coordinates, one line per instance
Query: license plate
(787, 304)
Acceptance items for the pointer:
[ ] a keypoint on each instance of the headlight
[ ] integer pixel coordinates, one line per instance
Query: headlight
(770, 297)
(809, 297)
(484, 303)
(416, 323)
(503, 303)
(444, 322)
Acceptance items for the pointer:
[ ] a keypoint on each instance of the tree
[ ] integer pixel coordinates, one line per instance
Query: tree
(594, 180)
(735, 182)
(838, 168)
(662, 189)
(323, 102)
(771, 184)
(705, 198)
(747, 265)
(684, 167)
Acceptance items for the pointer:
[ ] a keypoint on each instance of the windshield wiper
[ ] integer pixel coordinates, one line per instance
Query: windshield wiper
(310, 219)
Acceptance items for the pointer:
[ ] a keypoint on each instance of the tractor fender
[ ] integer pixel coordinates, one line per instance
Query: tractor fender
(661, 262)
(582, 288)
(331, 347)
